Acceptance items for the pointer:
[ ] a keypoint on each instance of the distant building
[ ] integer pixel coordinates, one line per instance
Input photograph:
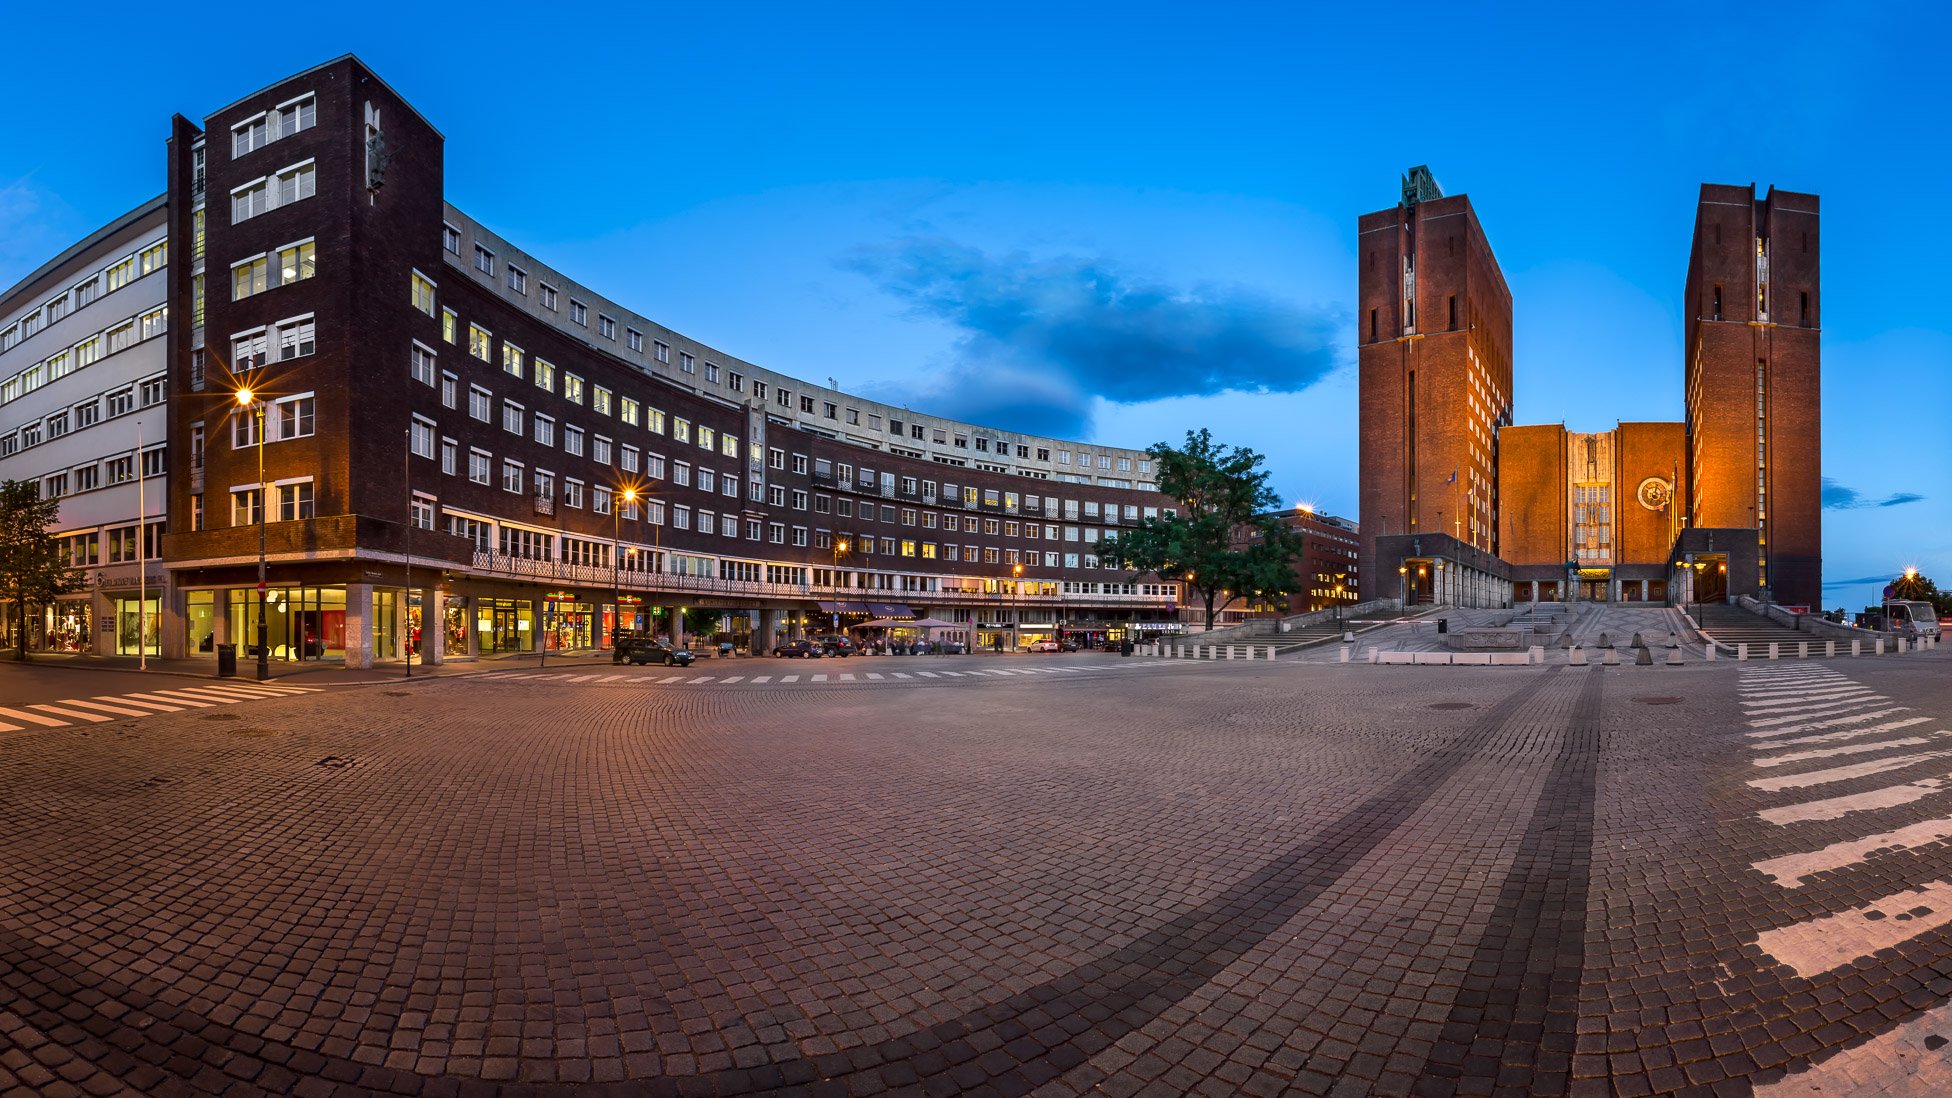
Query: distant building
(1591, 516)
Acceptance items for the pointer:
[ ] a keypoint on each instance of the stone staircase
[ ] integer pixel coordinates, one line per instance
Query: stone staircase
(1731, 625)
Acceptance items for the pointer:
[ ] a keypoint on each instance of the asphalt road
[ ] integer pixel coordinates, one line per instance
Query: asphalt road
(1035, 876)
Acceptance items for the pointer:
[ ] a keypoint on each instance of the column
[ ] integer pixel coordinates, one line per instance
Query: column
(433, 626)
(677, 627)
(359, 626)
(220, 620)
(473, 607)
(762, 636)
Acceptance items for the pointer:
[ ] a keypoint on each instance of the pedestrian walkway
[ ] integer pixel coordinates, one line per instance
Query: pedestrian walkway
(660, 677)
(114, 707)
(1831, 748)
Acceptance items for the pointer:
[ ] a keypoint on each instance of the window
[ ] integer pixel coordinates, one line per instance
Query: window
(450, 238)
(256, 133)
(450, 386)
(548, 295)
(600, 400)
(246, 507)
(518, 279)
(572, 388)
(480, 343)
(606, 327)
(478, 461)
(511, 476)
(600, 450)
(707, 480)
(250, 350)
(578, 314)
(294, 417)
(681, 473)
(572, 493)
(634, 339)
(711, 372)
(628, 410)
(511, 359)
(423, 293)
(545, 374)
(422, 512)
(449, 325)
(484, 260)
(573, 439)
(294, 501)
(627, 458)
(262, 195)
(705, 437)
(296, 337)
(545, 430)
(422, 363)
(121, 402)
(448, 447)
(600, 500)
(87, 414)
(512, 417)
(687, 363)
(479, 402)
(661, 351)
(252, 276)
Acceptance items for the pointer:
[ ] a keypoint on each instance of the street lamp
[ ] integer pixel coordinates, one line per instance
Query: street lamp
(1016, 605)
(628, 495)
(840, 546)
(254, 402)
(1403, 586)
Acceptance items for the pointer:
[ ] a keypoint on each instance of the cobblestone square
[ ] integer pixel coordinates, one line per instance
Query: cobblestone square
(1080, 875)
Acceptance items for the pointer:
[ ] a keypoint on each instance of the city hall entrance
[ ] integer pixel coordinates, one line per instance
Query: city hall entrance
(1595, 584)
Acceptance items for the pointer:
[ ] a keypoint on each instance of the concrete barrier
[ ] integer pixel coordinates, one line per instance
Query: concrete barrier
(1879, 646)
(1373, 654)
(1230, 651)
(1270, 652)
(1470, 659)
(1710, 657)
(1610, 657)
(1513, 659)
(1856, 647)
(1742, 651)
(1830, 648)
(1674, 657)
(1441, 659)
(1345, 653)
(1772, 649)
(1536, 654)
(1643, 656)
(1394, 657)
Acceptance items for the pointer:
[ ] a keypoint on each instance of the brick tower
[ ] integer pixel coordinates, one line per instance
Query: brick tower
(1753, 368)
(1434, 338)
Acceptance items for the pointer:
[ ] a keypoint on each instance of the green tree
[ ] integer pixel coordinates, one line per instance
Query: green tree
(33, 571)
(1222, 541)
(703, 621)
(1915, 585)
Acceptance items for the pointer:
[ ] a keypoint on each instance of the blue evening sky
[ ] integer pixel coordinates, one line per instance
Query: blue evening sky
(1119, 221)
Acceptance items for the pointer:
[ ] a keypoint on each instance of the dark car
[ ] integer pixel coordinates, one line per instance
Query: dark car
(639, 649)
(798, 649)
(833, 644)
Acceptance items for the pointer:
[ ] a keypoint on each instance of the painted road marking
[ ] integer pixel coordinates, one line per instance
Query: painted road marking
(928, 674)
(130, 699)
(1832, 941)
(669, 679)
(1842, 773)
(1828, 709)
(610, 678)
(784, 679)
(903, 675)
(1757, 708)
(1791, 870)
(95, 718)
(847, 678)
(733, 679)
(33, 718)
(701, 678)
(1837, 807)
(1834, 737)
(1833, 722)
(762, 678)
(871, 675)
(821, 678)
(200, 703)
(121, 709)
(1834, 752)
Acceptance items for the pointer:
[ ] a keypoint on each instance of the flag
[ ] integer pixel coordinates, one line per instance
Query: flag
(1453, 477)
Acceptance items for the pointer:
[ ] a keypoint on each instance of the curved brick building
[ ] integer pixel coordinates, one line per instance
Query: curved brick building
(544, 460)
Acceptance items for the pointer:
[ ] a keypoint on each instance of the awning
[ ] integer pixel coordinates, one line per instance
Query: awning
(844, 608)
(889, 610)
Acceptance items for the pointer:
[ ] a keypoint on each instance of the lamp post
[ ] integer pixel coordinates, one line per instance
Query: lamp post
(1403, 587)
(628, 495)
(840, 546)
(406, 596)
(250, 400)
(1016, 606)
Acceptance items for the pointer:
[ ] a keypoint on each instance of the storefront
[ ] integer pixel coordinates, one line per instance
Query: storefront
(300, 623)
(567, 624)
(66, 626)
(504, 625)
(138, 625)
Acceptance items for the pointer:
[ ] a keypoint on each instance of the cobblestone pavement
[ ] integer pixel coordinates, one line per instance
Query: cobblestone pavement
(1215, 878)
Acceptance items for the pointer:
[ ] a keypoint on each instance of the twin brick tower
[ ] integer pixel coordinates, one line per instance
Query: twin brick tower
(1466, 508)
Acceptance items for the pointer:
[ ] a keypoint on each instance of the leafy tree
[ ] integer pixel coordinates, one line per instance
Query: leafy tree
(1917, 585)
(33, 571)
(703, 621)
(1222, 541)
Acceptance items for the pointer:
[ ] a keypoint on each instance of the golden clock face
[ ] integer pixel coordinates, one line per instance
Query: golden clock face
(1654, 493)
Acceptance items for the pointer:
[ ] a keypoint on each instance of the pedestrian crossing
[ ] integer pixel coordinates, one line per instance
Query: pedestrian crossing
(656, 677)
(1824, 729)
(103, 708)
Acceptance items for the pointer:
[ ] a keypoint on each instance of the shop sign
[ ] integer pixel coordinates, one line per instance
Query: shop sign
(154, 579)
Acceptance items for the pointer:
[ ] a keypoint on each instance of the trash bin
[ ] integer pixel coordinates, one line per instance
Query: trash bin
(226, 661)
(1125, 648)
(1443, 625)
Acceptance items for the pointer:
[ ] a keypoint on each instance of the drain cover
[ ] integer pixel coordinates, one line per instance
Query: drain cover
(399, 693)
(336, 762)
(1659, 700)
(1452, 705)
(254, 733)
(220, 716)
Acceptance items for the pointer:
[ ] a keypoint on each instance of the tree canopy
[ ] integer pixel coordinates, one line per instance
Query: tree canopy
(33, 571)
(1222, 541)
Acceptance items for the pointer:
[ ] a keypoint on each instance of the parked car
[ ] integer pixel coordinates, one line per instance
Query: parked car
(833, 644)
(1067, 646)
(1045, 646)
(798, 649)
(639, 648)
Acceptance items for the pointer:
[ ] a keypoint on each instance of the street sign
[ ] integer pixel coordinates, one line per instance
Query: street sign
(1890, 589)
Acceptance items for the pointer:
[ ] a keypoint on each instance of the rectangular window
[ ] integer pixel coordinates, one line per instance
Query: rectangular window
(578, 313)
(450, 238)
(420, 437)
(512, 417)
(294, 417)
(478, 463)
(600, 400)
(423, 293)
(450, 390)
(573, 439)
(606, 327)
(545, 430)
(479, 403)
(448, 448)
(545, 374)
(518, 279)
(246, 507)
(511, 359)
(484, 260)
(634, 339)
(572, 388)
(296, 338)
(450, 325)
(481, 343)
(511, 476)
(422, 359)
(252, 276)
(548, 295)
(661, 351)
(686, 363)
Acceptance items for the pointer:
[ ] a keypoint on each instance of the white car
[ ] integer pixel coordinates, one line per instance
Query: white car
(1044, 646)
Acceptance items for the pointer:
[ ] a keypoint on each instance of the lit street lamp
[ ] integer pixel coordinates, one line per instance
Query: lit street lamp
(1016, 604)
(840, 546)
(250, 400)
(628, 495)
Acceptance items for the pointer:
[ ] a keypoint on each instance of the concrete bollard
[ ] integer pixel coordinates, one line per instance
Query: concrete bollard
(1576, 657)
(1742, 651)
(1230, 651)
(1710, 656)
(1345, 654)
(1643, 657)
(1772, 650)
(1270, 652)
(1536, 655)
(1856, 647)
(1879, 646)
(1802, 650)
(1637, 642)
(1372, 654)
(1348, 636)
(1674, 657)
(1605, 641)
(1830, 648)
(1610, 657)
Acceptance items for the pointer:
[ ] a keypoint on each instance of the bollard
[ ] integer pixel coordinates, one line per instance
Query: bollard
(1372, 654)
(1856, 647)
(1348, 635)
(1772, 650)
(1576, 657)
(1742, 651)
(1830, 648)
(1643, 657)
(1610, 658)
(1637, 643)
(1802, 650)
(1270, 651)
(1710, 656)
(1536, 654)
(1605, 641)
(1345, 654)
(1230, 651)
(1673, 657)
(1878, 647)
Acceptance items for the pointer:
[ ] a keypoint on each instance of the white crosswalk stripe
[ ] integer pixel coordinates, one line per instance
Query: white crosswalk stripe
(103, 708)
(1791, 870)
(1835, 808)
(1832, 941)
(1848, 749)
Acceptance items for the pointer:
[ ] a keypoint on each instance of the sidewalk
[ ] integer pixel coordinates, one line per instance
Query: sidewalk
(310, 672)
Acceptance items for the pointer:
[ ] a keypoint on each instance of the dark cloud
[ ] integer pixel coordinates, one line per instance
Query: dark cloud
(1041, 337)
(1858, 582)
(1837, 497)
